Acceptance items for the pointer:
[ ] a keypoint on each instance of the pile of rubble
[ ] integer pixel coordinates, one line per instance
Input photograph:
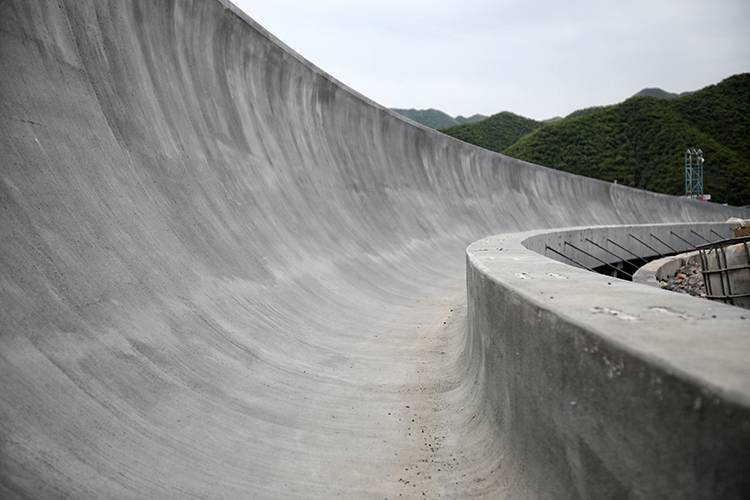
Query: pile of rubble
(688, 279)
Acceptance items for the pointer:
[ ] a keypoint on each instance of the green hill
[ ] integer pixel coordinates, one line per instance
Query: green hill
(463, 120)
(584, 111)
(496, 132)
(659, 93)
(656, 93)
(435, 118)
(639, 142)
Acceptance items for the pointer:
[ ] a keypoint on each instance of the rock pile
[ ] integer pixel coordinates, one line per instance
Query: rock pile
(687, 279)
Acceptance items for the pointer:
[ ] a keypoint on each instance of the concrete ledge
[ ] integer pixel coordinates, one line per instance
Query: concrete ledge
(605, 388)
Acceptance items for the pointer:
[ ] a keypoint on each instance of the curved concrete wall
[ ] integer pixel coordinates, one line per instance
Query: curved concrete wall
(605, 388)
(594, 246)
(223, 273)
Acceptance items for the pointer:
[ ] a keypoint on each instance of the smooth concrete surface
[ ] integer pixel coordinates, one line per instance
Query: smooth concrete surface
(604, 388)
(223, 274)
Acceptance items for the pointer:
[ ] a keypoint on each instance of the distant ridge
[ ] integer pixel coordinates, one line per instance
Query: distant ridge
(658, 93)
(435, 118)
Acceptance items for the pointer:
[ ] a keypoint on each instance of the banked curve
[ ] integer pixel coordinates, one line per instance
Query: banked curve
(224, 274)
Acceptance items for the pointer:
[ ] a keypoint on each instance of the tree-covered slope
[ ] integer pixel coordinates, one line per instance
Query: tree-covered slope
(641, 142)
(435, 118)
(657, 93)
(475, 118)
(496, 132)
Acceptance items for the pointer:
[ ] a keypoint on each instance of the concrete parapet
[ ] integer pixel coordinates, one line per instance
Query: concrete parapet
(607, 389)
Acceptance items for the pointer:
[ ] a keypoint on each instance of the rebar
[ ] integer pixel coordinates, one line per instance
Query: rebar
(569, 258)
(657, 252)
(600, 260)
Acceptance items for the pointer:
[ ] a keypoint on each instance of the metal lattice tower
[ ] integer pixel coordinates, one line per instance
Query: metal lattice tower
(694, 173)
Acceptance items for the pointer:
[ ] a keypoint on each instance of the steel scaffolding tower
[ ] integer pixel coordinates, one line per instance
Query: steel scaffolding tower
(694, 173)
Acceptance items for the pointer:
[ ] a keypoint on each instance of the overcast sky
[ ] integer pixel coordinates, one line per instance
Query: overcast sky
(538, 58)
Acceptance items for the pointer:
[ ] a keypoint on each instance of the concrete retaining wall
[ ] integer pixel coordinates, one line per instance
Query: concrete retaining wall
(605, 388)
(646, 241)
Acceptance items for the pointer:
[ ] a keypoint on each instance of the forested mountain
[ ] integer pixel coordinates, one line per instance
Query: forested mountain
(640, 142)
(496, 132)
(437, 119)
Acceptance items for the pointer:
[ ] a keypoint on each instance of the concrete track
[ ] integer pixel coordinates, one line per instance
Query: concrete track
(224, 274)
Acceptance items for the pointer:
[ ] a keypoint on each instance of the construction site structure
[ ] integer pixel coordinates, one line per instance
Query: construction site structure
(694, 174)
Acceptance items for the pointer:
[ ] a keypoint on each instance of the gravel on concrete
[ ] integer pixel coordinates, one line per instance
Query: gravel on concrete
(688, 279)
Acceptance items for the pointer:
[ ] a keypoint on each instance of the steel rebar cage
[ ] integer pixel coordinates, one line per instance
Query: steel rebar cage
(720, 276)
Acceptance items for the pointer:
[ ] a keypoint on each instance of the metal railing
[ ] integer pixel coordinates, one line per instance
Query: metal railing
(724, 275)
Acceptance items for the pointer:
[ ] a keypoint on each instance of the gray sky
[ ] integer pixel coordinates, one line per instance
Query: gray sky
(538, 58)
